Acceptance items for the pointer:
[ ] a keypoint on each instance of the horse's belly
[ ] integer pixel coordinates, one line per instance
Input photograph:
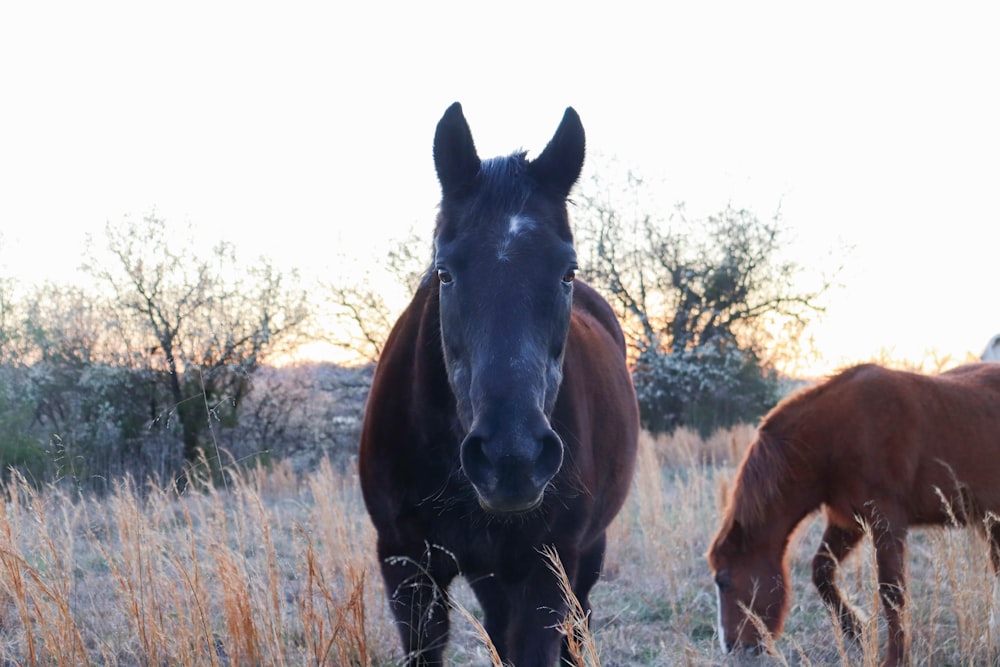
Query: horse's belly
(956, 493)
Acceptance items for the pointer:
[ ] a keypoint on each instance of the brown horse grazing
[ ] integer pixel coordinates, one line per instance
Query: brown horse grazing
(875, 447)
(502, 416)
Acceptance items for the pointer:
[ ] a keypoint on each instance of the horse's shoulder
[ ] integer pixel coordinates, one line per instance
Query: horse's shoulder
(419, 316)
(406, 407)
(410, 367)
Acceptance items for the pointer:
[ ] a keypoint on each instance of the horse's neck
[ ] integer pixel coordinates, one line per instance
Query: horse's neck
(786, 518)
(787, 500)
(430, 375)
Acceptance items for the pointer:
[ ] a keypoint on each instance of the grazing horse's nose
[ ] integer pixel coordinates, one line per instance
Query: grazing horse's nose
(510, 469)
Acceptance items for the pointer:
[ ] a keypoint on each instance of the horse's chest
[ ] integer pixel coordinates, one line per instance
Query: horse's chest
(503, 554)
(487, 545)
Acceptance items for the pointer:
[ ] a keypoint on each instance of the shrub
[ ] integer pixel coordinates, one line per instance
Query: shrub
(704, 388)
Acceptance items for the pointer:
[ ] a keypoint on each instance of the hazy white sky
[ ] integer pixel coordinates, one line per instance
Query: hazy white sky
(303, 130)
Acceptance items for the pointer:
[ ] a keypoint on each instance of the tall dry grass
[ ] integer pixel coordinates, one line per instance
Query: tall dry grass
(278, 569)
(273, 569)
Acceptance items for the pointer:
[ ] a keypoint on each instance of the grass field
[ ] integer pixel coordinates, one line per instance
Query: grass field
(278, 569)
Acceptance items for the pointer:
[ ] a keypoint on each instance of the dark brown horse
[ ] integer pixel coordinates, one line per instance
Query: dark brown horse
(502, 416)
(875, 447)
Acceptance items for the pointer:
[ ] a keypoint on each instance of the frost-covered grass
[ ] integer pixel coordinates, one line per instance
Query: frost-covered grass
(278, 569)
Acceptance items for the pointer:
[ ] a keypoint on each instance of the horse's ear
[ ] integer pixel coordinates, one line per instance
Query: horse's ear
(455, 155)
(559, 165)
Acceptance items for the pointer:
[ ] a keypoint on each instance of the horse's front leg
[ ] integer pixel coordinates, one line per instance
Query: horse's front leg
(836, 545)
(991, 527)
(494, 600)
(538, 609)
(890, 556)
(416, 580)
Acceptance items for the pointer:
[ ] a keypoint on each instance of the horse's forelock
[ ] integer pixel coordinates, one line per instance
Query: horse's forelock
(502, 185)
(503, 188)
(500, 172)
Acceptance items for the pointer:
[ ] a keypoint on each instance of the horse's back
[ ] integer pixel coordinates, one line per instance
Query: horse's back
(916, 437)
(963, 449)
(982, 375)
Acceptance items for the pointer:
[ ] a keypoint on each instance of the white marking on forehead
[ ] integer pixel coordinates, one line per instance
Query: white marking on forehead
(518, 224)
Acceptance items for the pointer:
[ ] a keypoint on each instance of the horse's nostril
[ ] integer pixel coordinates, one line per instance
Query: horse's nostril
(475, 462)
(549, 458)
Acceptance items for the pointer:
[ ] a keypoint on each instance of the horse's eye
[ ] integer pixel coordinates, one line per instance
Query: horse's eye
(444, 275)
(722, 580)
(569, 276)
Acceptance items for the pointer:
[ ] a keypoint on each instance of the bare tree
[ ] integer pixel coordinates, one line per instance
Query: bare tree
(9, 333)
(362, 313)
(73, 407)
(18, 448)
(705, 302)
(10, 318)
(205, 320)
(363, 319)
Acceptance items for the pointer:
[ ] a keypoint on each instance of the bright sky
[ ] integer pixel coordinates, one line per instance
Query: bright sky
(303, 130)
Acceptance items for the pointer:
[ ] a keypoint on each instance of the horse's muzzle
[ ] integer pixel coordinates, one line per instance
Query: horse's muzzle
(510, 475)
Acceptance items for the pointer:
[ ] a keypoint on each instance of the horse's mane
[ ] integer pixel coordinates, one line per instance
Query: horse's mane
(759, 479)
(773, 456)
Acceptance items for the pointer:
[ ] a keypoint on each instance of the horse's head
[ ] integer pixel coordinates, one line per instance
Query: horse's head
(505, 265)
(751, 583)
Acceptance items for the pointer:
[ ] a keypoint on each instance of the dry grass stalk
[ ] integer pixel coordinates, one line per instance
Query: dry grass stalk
(480, 632)
(40, 581)
(580, 643)
(337, 627)
(279, 568)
